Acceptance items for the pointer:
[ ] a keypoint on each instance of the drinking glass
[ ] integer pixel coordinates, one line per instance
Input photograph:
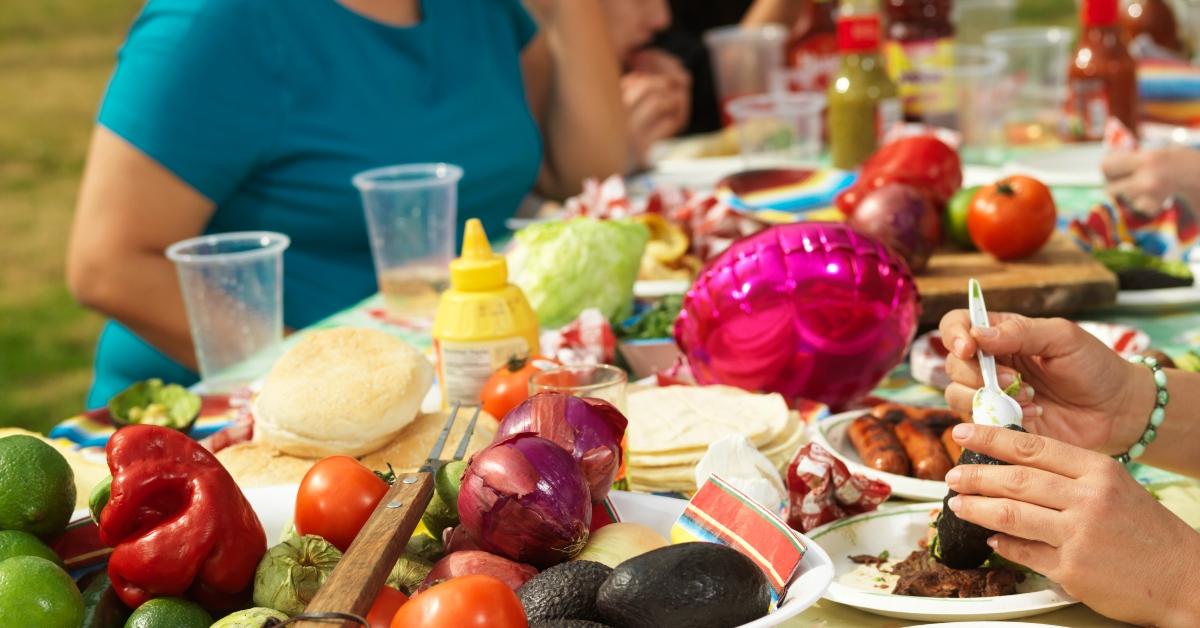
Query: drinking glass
(411, 215)
(232, 287)
(599, 381)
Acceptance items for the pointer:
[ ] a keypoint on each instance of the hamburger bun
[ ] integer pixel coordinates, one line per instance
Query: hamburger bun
(257, 464)
(341, 391)
(412, 445)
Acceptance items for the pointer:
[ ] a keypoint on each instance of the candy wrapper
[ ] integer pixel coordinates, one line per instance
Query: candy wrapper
(588, 339)
(710, 224)
(719, 513)
(821, 489)
(1171, 235)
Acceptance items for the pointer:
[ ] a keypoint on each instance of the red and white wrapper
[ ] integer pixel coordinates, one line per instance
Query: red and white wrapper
(710, 224)
(821, 489)
(588, 339)
(1117, 136)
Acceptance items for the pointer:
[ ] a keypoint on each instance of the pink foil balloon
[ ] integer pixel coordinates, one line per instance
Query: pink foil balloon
(814, 310)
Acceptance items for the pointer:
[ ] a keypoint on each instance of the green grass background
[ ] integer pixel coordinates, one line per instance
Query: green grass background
(55, 56)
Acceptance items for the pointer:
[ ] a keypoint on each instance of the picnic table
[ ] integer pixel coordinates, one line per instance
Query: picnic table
(1168, 330)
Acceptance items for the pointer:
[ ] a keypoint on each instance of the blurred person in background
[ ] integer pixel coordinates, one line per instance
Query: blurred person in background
(685, 40)
(232, 115)
(1146, 178)
(655, 87)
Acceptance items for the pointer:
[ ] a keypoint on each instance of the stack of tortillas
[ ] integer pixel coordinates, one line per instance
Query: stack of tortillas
(670, 429)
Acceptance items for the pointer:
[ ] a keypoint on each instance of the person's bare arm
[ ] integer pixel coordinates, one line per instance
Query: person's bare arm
(784, 12)
(572, 82)
(130, 209)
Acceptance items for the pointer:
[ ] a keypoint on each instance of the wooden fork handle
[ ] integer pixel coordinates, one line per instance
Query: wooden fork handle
(356, 580)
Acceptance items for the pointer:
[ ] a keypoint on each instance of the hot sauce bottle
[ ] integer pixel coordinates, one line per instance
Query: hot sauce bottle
(1154, 19)
(814, 48)
(863, 102)
(1102, 77)
(920, 53)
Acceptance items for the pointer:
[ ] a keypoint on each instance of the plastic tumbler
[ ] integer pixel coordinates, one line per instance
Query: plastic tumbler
(1036, 75)
(411, 215)
(232, 287)
(745, 60)
(778, 128)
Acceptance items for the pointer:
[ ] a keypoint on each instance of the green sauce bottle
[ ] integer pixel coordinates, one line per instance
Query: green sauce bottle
(863, 102)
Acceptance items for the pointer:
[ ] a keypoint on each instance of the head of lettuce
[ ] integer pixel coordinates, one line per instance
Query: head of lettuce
(566, 267)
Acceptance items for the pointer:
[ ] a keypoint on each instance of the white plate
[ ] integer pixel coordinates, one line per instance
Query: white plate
(1164, 299)
(1076, 165)
(831, 434)
(985, 624)
(897, 531)
(658, 288)
(275, 504)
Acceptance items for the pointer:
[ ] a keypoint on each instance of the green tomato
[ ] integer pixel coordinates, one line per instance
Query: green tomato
(954, 221)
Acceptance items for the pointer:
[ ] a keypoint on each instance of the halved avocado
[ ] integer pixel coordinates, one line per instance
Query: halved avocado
(151, 402)
(962, 544)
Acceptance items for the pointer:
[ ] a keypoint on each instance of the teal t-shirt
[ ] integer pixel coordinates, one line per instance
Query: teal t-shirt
(269, 107)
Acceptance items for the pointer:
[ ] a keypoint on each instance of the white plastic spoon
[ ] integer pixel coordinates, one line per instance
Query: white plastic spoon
(991, 406)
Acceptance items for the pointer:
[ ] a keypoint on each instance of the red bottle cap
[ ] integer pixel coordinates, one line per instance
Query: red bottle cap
(859, 33)
(1099, 12)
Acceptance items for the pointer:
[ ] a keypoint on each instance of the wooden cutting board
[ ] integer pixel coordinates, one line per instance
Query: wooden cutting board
(1060, 279)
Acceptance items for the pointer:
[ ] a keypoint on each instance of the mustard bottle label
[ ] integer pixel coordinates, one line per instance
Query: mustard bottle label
(464, 367)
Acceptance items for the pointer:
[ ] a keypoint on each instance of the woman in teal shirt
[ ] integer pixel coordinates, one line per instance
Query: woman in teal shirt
(230, 115)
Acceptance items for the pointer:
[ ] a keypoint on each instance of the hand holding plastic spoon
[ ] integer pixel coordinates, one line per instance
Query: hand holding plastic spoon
(991, 405)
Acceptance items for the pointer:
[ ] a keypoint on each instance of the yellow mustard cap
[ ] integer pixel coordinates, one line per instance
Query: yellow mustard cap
(478, 268)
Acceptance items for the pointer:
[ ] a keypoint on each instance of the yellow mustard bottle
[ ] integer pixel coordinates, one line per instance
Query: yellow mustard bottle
(481, 321)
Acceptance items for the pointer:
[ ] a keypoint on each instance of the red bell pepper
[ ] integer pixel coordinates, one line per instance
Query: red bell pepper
(177, 521)
(921, 161)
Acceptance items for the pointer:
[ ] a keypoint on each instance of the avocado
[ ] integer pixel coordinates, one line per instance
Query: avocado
(566, 623)
(962, 544)
(564, 591)
(101, 606)
(685, 585)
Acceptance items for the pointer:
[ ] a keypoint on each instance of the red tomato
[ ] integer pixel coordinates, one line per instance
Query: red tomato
(463, 602)
(509, 386)
(1012, 218)
(384, 608)
(336, 497)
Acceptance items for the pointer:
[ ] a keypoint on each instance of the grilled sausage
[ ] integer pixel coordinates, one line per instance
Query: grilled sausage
(877, 445)
(925, 451)
(938, 419)
(952, 448)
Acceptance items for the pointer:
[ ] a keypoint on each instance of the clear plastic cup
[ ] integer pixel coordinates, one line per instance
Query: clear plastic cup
(975, 18)
(1035, 75)
(232, 287)
(744, 60)
(778, 128)
(412, 213)
(965, 84)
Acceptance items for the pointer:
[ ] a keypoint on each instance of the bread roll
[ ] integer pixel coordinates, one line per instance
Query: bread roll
(341, 391)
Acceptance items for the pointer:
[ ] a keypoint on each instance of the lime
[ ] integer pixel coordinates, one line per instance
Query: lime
(36, 592)
(169, 612)
(18, 543)
(99, 498)
(37, 487)
(954, 221)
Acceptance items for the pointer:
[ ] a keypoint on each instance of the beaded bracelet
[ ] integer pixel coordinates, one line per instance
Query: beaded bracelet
(1156, 415)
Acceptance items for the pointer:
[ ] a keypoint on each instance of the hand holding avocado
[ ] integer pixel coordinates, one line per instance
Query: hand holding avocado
(1080, 519)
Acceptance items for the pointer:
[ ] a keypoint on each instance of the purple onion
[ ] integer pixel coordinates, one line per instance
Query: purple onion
(589, 429)
(524, 498)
